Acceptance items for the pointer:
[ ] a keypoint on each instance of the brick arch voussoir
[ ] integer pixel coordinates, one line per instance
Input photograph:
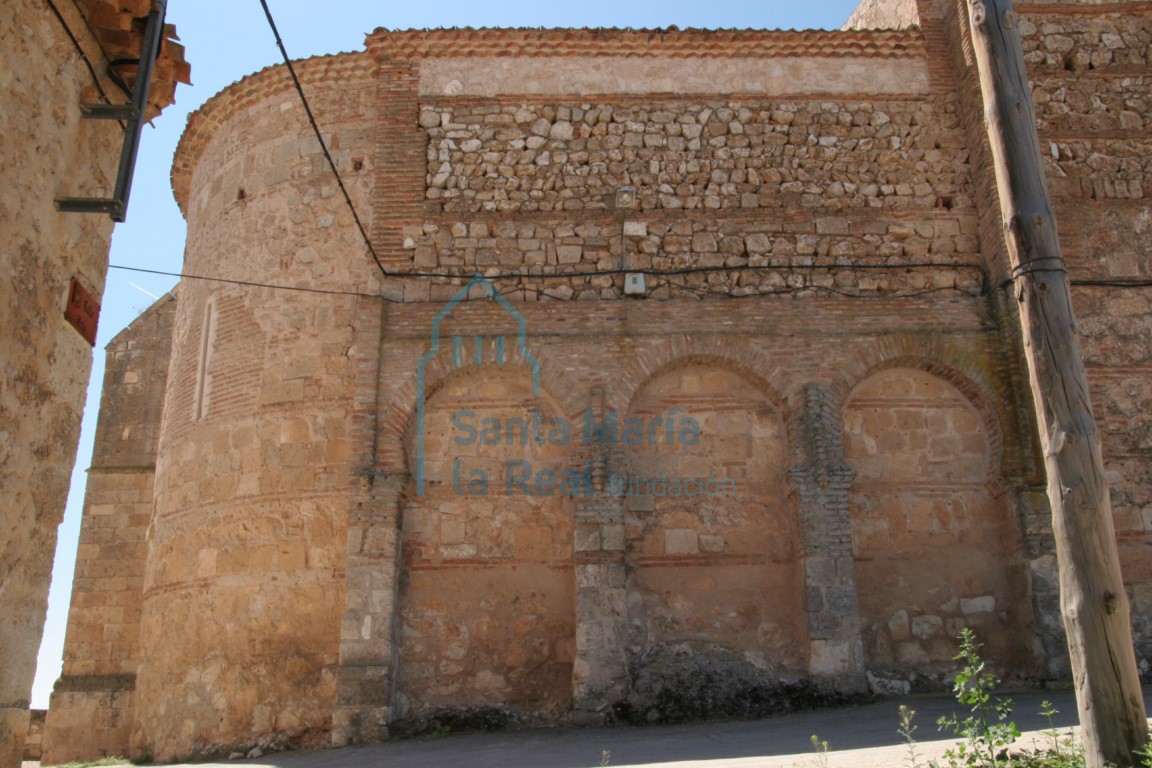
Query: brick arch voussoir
(741, 358)
(759, 375)
(400, 417)
(683, 351)
(969, 383)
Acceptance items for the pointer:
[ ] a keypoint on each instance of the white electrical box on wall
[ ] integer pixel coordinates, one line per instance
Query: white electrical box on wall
(634, 284)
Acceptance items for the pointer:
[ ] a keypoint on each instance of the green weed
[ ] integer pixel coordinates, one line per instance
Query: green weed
(821, 749)
(109, 760)
(987, 730)
(907, 729)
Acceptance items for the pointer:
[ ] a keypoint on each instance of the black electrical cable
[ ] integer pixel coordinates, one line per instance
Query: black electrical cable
(112, 74)
(698, 291)
(250, 283)
(115, 77)
(1115, 282)
(320, 138)
(1121, 282)
(694, 270)
(704, 290)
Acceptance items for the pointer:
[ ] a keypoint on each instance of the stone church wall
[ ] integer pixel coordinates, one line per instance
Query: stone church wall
(658, 580)
(48, 152)
(379, 510)
(1089, 66)
(248, 531)
(46, 361)
(91, 710)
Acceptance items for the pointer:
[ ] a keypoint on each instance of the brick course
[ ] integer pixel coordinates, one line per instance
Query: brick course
(838, 330)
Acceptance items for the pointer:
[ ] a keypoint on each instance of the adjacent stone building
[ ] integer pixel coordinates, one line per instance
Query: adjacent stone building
(54, 57)
(688, 383)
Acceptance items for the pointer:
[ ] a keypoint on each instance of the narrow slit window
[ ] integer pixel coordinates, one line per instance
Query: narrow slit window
(207, 343)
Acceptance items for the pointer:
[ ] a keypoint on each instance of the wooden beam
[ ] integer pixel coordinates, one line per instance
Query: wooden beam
(1092, 597)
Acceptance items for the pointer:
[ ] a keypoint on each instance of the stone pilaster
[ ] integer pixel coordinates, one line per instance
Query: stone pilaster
(365, 687)
(600, 669)
(822, 479)
(600, 672)
(1040, 552)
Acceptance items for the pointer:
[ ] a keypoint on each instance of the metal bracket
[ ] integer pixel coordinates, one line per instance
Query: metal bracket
(117, 205)
(114, 208)
(110, 111)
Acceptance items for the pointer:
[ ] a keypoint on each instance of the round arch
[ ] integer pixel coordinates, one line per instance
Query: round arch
(486, 603)
(936, 544)
(718, 570)
(966, 384)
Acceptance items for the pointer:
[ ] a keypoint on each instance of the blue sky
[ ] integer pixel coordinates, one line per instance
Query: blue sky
(226, 41)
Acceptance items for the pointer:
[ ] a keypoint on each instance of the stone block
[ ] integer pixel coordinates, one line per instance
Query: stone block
(829, 658)
(683, 541)
(569, 254)
(925, 627)
(899, 627)
(978, 605)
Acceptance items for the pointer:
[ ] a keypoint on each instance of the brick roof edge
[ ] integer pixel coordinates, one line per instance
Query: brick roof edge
(118, 26)
(671, 42)
(266, 83)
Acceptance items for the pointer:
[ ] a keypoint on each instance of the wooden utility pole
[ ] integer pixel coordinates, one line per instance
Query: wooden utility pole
(1091, 591)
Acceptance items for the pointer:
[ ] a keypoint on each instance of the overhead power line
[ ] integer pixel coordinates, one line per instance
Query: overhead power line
(320, 138)
(249, 283)
(664, 274)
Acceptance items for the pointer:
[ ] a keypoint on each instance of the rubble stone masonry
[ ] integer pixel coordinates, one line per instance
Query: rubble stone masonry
(91, 703)
(49, 152)
(489, 483)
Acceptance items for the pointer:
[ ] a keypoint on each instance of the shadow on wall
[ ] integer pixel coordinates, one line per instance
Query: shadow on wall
(936, 548)
(35, 739)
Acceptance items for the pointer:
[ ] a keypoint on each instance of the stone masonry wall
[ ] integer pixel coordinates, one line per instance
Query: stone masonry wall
(34, 743)
(91, 709)
(1090, 71)
(251, 502)
(715, 572)
(809, 185)
(674, 611)
(314, 494)
(48, 151)
(487, 605)
(524, 188)
(927, 482)
(714, 155)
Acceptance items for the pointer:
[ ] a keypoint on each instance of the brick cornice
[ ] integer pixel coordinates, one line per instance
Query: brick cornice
(1131, 7)
(674, 43)
(269, 82)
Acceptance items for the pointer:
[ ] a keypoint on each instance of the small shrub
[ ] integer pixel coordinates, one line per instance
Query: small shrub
(1145, 755)
(906, 729)
(987, 730)
(109, 760)
(821, 750)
